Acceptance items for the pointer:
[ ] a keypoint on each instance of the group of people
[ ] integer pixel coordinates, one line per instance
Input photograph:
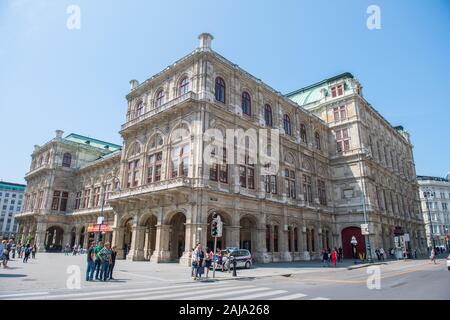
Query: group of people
(202, 260)
(9, 249)
(76, 249)
(332, 257)
(101, 259)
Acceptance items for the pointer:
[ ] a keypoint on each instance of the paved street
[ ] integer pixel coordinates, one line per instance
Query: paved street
(47, 277)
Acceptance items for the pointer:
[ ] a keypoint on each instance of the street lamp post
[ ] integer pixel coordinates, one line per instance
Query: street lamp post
(427, 193)
(103, 205)
(363, 186)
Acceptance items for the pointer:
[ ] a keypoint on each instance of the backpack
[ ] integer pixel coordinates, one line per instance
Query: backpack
(27, 251)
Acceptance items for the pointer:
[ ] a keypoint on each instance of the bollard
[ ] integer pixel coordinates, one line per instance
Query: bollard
(234, 268)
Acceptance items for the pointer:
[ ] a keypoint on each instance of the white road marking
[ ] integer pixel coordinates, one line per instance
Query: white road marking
(257, 295)
(93, 293)
(23, 294)
(320, 298)
(290, 297)
(222, 294)
(186, 293)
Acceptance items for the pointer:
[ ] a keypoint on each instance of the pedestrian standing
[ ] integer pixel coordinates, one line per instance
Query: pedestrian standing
(27, 253)
(196, 261)
(13, 250)
(3, 254)
(66, 250)
(19, 249)
(341, 254)
(324, 258)
(90, 268)
(105, 257)
(113, 262)
(97, 260)
(208, 260)
(33, 251)
(334, 257)
(382, 254)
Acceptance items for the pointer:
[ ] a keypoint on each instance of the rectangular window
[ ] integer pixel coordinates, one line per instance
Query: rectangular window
(337, 91)
(96, 195)
(322, 192)
(64, 198)
(55, 201)
(251, 178)
(77, 200)
(242, 176)
(270, 183)
(342, 140)
(290, 183)
(307, 189)
(86, 197)
(336, 114)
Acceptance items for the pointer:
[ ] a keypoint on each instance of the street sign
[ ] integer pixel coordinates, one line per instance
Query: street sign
(365, 229)
(100, 220)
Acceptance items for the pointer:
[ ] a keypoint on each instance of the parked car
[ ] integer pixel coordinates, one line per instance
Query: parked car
(448, 262)
(243, 258)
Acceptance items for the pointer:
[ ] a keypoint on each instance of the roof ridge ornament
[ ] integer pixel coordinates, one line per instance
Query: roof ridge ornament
(205, 41)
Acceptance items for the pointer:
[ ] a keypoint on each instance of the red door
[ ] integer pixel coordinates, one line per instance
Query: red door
(347, 235)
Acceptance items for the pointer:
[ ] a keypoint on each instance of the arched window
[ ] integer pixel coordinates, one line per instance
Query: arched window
(246, 104)
(139, 108)
(287, 124)
(317, 138)
(220, 90)
(67, 159)
(303, 136)
(184, 86)
(268, 115)
(159, 98)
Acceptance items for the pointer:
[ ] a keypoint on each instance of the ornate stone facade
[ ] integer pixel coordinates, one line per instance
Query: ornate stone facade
(166, 192)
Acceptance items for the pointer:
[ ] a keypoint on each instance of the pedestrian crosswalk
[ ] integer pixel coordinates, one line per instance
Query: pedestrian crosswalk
(223, 290)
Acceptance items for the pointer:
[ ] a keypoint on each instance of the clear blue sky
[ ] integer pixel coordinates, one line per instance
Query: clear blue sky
(54, 78)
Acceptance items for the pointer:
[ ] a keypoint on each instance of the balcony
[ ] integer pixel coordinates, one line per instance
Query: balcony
(154, 187)
(42, 168)
(190, 96)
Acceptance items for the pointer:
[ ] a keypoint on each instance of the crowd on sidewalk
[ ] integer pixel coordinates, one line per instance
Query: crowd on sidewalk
(9, 249)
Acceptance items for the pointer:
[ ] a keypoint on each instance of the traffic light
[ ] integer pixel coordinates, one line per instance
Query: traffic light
(214, 228)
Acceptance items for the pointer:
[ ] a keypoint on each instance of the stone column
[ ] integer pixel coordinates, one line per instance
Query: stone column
(117, 240)
(24, 237)
(39, 238)
(262, 254)
(136, 252)
(162, 253)
(286, 254)
(234, 236)
(190, 230)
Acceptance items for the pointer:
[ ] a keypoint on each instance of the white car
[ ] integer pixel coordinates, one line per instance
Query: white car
(448, 262)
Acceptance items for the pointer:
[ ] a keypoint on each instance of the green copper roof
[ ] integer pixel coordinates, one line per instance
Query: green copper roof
(12, 186)
(312, 93)
(92, 142)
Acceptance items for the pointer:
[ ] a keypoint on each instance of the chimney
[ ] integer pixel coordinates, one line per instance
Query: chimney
(134, 83)
(205, 41)
(59, 134)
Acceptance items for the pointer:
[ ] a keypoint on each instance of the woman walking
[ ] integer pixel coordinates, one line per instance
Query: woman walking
(27, 253)
(433, 255)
